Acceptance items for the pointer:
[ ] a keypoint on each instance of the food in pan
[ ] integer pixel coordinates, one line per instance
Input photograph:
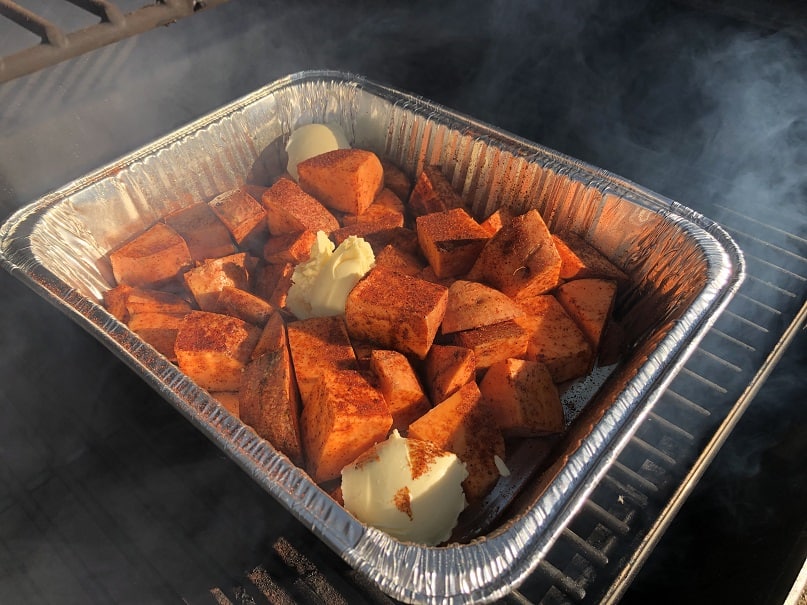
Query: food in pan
(341, 318)
(313, 139)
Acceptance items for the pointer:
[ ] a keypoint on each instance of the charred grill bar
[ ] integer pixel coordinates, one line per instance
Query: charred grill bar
(595, 559)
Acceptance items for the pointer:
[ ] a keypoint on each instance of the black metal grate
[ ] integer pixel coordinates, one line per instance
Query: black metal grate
(59, 42)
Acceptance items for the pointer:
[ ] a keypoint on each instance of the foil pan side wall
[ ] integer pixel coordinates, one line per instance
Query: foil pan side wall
(658, 241)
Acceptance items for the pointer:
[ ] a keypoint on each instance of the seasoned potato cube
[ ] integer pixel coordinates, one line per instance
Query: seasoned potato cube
(273, 336)
(146, 300)
(229, 399)
(400, 387)
(579, 260)
(343, 417)
(386, 208)
(289, 209)
(394, 259)
(401, 238)
(203, 231)
(555, 339)
(473, 305)
(365, 229)
(433, 193)
(213, 349)
(343, 179)
(158, 329)
(243, 216)
(115, 301)
(464, 425)
(206, 280)
(318, 343)
(494, 342)
(496, 221)
(396, 311)
(451, 241)
(154, 257)
(395, 179)
(589, 303)
(523, 398)
(289, 247)
(244, 305)
(272, 283)
(448, 368)
(521, 259)
(270, 403)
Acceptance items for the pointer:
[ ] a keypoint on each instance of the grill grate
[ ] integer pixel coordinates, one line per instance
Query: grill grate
(60, 42)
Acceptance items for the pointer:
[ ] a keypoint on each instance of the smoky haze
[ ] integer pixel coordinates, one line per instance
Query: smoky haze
(705, 110)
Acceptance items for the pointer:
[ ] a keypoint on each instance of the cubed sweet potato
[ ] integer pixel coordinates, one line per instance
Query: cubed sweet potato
(158, 329)
(402, 238)
(244, 305)
(555, 339)
(343, 417)
(147, 300)
(473, 305)
(243, 216)
(447, 368)
(396, 311)
(154, 257)
(206, 280)
(579, 260)
(523, 398)
(433, 192)
(520, 259)
(589, 303)
(289, 247)
(343, 179)
(203, 231)
(289, 209)
(394, 259)
(115, 301)
(494, 342)
(270, 403)
(273, 336)
(229, 399)
(365, 229)
(316, 344)
(213, 349)
(400, 387)
(395, 179)
(464, 425)
(450, 240)
(272, 283)
(496, 221)
(386, 208)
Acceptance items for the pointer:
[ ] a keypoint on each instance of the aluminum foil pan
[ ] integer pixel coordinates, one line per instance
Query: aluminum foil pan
(683, 269)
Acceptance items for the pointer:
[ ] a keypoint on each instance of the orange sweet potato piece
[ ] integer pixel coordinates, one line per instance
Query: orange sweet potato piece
(158, 329)
(243, 216)
(203, 231)
(555, 339)
(496, 221)
(229, 399)
(386, 208)
(213, 349)
(400, 387)
(343, 179)
(589, 302)
(272, 283)
(396, 311)
(464, 425)
(433, 192)
(147, 300)
(343, 417)
(270, 403)
(494, 342)
(520, 259)
(579, 260)
(206, 280)
(318, 343)
(244, 305)
(365, 229)
(473, 305)
(115, 301)
(523, 398)
(447, 368)
(289, 209)
(450, 240)
(289, 247)
(151, 259)
(394, 259)
(273, 336)
(395, 179)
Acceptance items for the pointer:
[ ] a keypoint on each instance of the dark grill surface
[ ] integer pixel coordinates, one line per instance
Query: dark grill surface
(107, 495)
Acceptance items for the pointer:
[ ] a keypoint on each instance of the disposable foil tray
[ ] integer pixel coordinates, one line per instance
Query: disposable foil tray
(683, 269)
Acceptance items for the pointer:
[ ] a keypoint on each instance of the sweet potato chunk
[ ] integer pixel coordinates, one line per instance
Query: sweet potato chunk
(244, 305)
(146, 300)
(213, 349)
(523, 398)
(473, 305)
(451, 241)
(289, 247)
(115, 301)
(365, 229)
(343, 417)
(206, 280)
(448, 368)
(396, 180)
(343, 179)
(273, 336)
(229, 399)
(496, 221)
(579, 260)
(289, 209)
(158, 329)
(270, 403)
(521, 259)
(243, 216)
(272, 283)
(494, 342)
(394, 259)
(555, 339)
(316, 344)
(154, 257)
(386, 208)
(203, 231)
(463, 424)
(433, 192)
(400, 387)
(396, 311)
(589, 302)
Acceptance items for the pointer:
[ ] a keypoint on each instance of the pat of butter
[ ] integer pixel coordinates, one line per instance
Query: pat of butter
(321, 284)
(407, 488)
(310, 140)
